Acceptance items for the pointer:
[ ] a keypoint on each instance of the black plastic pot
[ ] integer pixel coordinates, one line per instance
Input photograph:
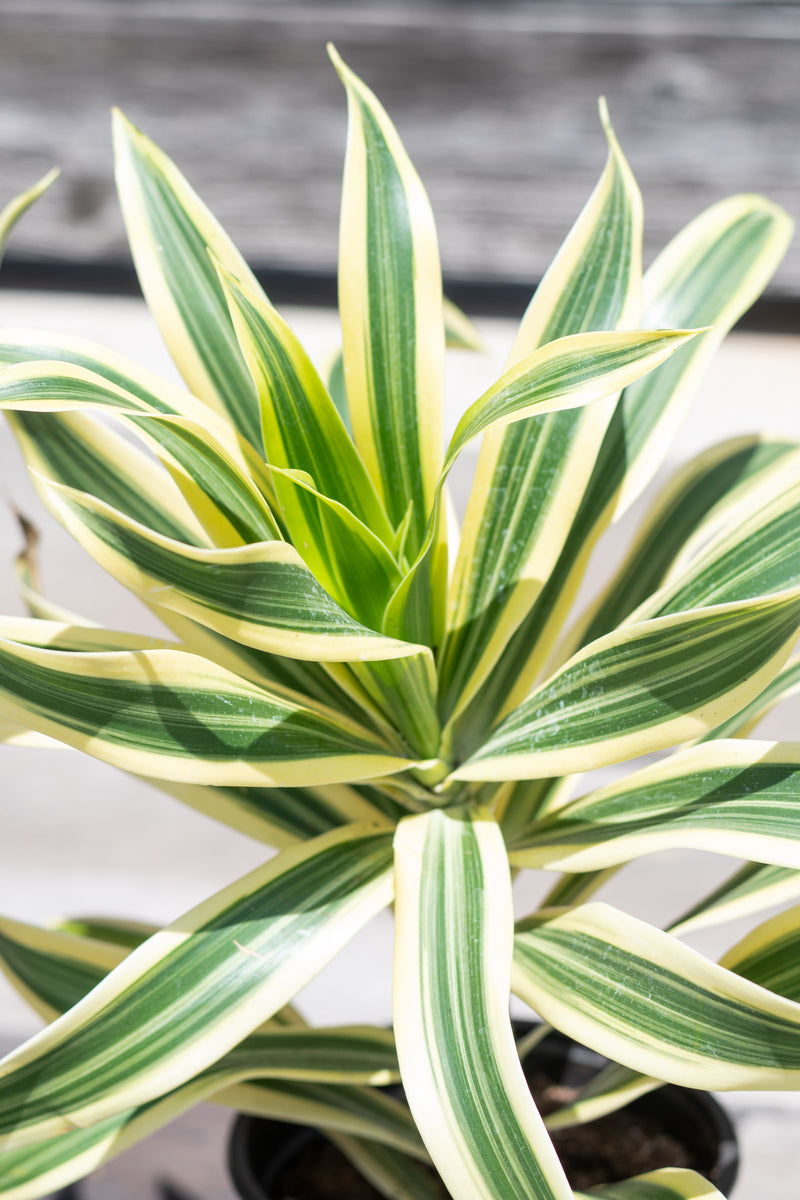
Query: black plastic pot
(261, 1153)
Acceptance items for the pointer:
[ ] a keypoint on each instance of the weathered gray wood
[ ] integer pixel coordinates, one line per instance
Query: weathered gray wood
(496, 102)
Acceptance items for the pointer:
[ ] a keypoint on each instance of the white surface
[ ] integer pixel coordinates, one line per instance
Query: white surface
(78, 837)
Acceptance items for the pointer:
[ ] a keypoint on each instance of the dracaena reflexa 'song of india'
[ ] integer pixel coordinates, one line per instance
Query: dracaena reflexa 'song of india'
(407, 721)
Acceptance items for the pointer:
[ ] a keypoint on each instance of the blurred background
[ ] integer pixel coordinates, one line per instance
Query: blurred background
(496, 101)
(497, 105)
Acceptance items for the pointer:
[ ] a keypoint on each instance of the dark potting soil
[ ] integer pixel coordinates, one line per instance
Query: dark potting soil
(607, 1150)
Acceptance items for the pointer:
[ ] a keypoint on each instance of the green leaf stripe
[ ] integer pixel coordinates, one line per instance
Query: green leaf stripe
(738, 798)
(642, 688)
(504, 544)
(171, 233)
(57, 1161)
(785, 684)
(668, 1013)
(768, 955)
(51, 969)
(142, 388)
(282, 816)
(670, 1183)
(63, 635)
(751, 889)
(302, 429)
(211, 467)
(707, 276)
(262, 595)
(390, 298)
(760, 555)
(307, 681)
(58, 969)
(569, 373)
(516, 519)
(612, 1088)
(404, 690)
(75, 450)
(114, 931)
(210, 479)
(350, 562)
(467, 1093)
(239, 956)
(594, 282)
(172, 715)
(360, 1111)
(711, 484)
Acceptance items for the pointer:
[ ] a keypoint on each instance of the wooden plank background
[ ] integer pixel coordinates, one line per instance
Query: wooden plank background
(495, 101)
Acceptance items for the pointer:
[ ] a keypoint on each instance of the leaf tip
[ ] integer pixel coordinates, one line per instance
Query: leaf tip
(337, 60)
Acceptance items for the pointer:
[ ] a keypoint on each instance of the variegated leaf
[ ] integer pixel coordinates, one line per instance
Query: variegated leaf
(76, 450)
(280, 816)
(172, 236)
(357, 1111)
(301, 428)
(459, 334)
(708, 276)
(640, 997)
(516, 519)
(457, 1055)
(390, 300)
(768, 955)
(352, 564)
(751, 889)
(785, 684)
(568, 373)
(612, 1088)
(53, 969)
(756, 555)
(20, 205)
(209, 469)
(240, 956)
(172, 715)
(262, 595)
(729, 797)
(122, 379)
(670, 1183)
(713, 488)
(642, 688)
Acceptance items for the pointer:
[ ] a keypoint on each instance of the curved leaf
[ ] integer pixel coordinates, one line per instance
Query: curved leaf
(642, 688)
(708, 276)
(529, 474)
(20, 205)
(709, 490)
(460, 1067)
(239, 956)
(171, 233)
(169, 714)
(302, 429)
(640, 997)
(728, 797)
(751, 889)
(390, 300)
(262, 595)
(568, 373)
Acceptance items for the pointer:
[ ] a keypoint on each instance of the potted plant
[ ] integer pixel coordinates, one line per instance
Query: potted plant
(403, 737)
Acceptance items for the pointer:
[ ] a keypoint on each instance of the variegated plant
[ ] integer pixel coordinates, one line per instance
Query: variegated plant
(403, 734)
